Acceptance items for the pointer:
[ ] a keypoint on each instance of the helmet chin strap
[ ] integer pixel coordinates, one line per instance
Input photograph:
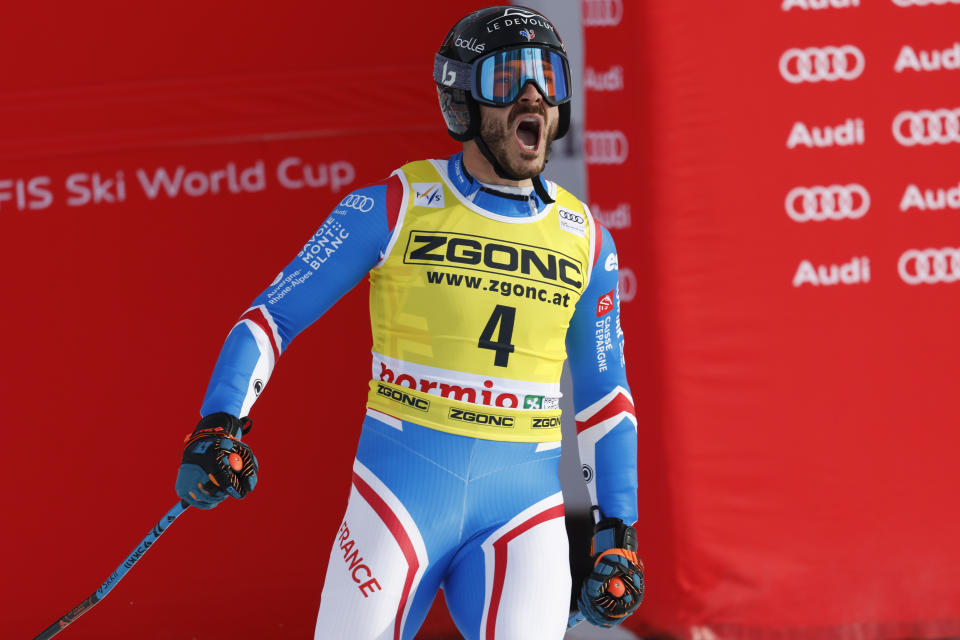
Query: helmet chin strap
(501, 171)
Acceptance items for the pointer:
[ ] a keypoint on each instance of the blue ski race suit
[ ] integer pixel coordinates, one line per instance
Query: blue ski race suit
(455, 481)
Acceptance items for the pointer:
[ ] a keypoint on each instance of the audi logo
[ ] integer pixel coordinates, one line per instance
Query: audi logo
(363, 204)
(627, 283)
(922, 3)
(605, 147)
(571, 216)
(601, 13)
(833, 202)
(814, 64)
(930, 266)
(926, 127)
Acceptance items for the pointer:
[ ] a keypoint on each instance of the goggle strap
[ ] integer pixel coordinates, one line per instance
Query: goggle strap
(452, 73)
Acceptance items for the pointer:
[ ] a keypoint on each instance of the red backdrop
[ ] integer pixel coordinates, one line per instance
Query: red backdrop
(154, 170)
(797, 440)
(783, 167)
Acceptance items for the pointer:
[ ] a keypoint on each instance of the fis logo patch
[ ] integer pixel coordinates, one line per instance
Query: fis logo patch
(427, 194)
(605, 304)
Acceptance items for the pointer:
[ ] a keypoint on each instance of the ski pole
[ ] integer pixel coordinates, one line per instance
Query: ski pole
(116, 576)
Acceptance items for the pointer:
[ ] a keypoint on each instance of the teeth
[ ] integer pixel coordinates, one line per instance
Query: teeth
(536, 122)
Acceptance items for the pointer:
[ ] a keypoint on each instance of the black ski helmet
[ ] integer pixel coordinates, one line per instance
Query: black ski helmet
(479, 34)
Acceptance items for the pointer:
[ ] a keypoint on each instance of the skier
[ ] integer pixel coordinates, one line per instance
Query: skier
(484, 277)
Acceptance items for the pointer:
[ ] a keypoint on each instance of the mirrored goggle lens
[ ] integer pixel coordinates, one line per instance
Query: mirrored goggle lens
(502, 76)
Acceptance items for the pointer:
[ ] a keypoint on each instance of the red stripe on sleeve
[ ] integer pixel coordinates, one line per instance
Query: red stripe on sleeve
(394, 199)
(619, 404)
(597, 240)
(256, 316)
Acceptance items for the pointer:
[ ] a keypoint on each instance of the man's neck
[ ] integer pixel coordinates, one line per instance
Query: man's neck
(480, 168)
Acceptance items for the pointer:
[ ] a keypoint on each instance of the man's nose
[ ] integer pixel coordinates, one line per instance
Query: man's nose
(530, 93)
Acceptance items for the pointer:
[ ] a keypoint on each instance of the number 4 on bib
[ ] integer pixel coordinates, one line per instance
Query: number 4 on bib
(503, 316)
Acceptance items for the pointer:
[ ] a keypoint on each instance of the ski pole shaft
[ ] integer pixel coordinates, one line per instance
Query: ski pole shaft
(116, 576)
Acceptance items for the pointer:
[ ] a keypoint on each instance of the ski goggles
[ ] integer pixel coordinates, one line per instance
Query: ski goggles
(497, 79)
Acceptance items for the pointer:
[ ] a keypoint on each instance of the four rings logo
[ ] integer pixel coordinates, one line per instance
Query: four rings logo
(930, 266)
(605, 147)
(363, 204)
(926, 127)
(814, 64)
(601, 13)
(922, 3)
(833, 202)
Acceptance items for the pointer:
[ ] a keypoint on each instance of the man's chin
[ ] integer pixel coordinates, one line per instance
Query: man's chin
(525, 168)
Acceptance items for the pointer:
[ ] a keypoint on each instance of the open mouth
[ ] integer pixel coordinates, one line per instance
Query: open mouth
(528, 132)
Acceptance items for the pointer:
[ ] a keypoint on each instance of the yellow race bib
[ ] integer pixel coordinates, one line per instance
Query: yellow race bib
(472, 307)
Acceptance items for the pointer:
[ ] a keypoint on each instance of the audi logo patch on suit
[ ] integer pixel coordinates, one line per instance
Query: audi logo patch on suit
(833, 202)
(357, 201)
(815, 64)
(605, 147)
(572, 222)
(857, 271)
(927, 127)
(930, 199)
(929, 266)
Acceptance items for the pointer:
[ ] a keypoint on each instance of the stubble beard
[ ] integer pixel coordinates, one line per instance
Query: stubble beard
(500, 138)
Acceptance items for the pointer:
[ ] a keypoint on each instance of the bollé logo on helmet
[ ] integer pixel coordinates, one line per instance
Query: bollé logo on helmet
(470, 44)
(449, 77)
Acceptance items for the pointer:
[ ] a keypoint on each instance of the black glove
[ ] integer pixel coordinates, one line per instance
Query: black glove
(614, 590)
(215, 463)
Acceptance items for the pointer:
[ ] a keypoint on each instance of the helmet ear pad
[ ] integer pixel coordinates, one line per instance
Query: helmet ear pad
(563, 123)
(461, 113)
